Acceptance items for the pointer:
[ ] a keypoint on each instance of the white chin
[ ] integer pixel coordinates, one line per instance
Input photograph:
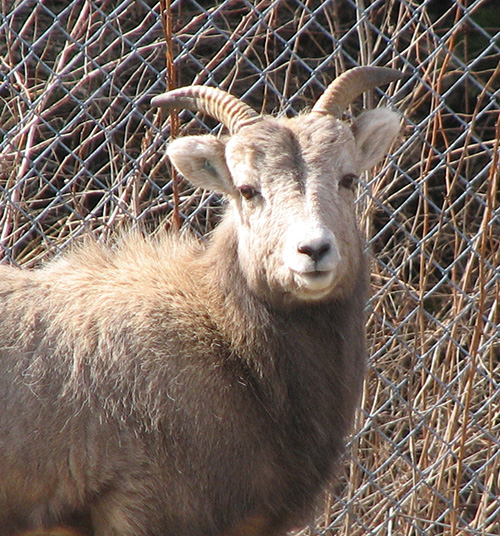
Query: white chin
(313, 285)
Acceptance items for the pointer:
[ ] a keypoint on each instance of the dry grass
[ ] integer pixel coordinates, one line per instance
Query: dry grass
(81, 152)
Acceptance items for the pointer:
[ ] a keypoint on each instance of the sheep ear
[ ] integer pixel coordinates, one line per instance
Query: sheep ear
(375, 131)
(201, 159)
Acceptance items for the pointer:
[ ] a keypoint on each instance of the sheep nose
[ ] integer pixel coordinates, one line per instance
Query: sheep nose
(314, 249)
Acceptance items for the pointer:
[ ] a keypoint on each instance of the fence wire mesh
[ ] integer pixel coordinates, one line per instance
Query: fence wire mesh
(82, 152)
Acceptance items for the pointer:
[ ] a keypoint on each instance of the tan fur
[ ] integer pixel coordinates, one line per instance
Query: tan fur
(169, 387)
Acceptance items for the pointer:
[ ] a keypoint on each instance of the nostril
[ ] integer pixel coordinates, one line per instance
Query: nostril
(315, 251)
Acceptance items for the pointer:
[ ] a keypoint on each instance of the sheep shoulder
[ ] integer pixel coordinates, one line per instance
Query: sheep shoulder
(101, 282)
(125, 313)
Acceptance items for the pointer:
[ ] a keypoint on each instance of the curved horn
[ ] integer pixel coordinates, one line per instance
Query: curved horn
(224, 107)
(349, 85)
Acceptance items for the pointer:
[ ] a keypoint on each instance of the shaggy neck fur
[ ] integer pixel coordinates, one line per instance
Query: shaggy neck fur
(299, 359)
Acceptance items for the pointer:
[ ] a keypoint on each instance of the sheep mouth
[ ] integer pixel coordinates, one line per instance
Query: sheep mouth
(317, 274)
(318, 282)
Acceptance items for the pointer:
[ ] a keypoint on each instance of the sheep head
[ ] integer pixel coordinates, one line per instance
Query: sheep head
(289, 182)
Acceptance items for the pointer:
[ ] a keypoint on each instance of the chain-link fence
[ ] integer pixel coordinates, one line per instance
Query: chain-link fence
(81, 152)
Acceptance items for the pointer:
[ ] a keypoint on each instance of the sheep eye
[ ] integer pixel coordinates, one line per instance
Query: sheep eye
(347, 181)
(247, 191)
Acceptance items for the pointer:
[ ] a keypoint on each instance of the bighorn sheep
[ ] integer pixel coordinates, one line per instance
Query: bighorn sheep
(167, 387)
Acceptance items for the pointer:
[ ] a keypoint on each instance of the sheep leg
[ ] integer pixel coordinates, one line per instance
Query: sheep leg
(122, 512)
